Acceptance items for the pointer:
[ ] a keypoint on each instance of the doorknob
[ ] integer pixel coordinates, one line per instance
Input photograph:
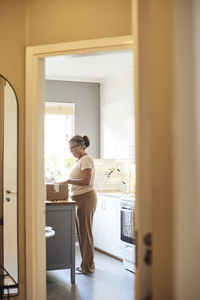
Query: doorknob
(1, 221)
(8, 199)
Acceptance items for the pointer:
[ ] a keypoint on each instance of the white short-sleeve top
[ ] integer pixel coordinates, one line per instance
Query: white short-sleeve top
(85, 162)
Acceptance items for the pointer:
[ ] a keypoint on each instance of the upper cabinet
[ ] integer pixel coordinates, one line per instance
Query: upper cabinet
(117, 116)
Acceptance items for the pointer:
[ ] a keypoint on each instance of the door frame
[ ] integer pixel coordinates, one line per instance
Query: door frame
(2, 84)
(34, 143)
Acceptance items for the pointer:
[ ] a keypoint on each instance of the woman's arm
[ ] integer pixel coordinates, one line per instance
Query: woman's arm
(86, 174)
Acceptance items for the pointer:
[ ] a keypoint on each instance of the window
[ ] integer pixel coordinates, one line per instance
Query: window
(59, 128)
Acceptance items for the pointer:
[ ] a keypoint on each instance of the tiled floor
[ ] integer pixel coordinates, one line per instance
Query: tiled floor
(110, 281)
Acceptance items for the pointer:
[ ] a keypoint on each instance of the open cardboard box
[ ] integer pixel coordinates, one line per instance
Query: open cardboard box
(56, 191)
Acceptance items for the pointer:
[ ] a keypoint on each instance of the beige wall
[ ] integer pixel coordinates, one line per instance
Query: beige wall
(35, 22)
(66, 20)
(12, 66)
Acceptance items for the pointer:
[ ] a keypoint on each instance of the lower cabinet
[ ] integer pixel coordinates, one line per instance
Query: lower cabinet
(106, 225)
(60, 249)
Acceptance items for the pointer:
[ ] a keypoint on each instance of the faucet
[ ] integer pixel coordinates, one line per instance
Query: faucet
(111, 171)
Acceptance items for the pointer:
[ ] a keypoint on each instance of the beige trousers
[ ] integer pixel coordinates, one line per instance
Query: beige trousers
(86, 205)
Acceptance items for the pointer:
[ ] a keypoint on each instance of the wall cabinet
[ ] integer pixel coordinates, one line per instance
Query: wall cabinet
(118, 129)
(106, 225)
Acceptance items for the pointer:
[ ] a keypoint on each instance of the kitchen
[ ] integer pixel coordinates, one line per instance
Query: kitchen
(108, 106)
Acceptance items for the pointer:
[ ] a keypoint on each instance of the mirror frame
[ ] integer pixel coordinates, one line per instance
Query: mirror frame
(17, 194)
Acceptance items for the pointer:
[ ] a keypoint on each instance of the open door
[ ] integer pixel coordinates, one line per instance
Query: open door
(153, 36)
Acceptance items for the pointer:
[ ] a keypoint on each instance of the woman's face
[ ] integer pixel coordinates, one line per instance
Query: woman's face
(77, 150)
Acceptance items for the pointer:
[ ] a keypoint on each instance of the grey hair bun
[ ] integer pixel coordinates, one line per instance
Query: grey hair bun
(86, 141)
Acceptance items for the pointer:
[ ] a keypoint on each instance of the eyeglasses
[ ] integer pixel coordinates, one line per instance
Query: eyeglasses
(72, 148)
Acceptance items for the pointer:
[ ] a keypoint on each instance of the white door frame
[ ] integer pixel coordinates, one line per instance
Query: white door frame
(34, 158)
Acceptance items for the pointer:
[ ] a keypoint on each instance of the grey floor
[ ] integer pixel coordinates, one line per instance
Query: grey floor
(110, 281)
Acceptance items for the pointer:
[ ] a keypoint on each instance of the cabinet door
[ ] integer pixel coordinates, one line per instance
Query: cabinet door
(110, 225)
(125, 128)
(117, 124)
(106, 225)
(109, 134)
(60, 249)
(99, 224)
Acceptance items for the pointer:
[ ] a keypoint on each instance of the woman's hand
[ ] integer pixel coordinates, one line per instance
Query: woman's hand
(85, 181)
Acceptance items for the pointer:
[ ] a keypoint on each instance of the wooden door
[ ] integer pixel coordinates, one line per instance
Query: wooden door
(154, 104)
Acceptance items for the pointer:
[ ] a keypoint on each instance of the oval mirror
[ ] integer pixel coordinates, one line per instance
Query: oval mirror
(8, 189)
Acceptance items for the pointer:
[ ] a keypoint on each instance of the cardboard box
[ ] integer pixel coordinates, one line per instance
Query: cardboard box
(56, 191)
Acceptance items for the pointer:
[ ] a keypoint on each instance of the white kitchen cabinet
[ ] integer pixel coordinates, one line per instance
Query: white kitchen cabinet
(99, 223)
(106, 225)
(117, 129)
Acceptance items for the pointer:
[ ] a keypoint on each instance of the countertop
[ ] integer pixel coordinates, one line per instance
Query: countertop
(60, 202)
(117, 194)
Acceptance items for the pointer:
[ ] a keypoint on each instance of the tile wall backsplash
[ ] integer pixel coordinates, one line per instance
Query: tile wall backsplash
(114, 175)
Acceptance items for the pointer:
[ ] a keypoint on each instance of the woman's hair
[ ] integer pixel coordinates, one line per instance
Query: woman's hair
(80, 140)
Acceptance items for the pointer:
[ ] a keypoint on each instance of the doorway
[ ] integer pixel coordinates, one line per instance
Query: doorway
(36, 275)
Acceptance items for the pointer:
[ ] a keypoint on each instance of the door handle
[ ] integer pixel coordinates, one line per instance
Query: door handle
(148, 239)
(1, 221)
(148, 253)
(10, 192)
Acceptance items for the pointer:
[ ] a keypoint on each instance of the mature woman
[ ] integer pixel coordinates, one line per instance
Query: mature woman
(82, 180)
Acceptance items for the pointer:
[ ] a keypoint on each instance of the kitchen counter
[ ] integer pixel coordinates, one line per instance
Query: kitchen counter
(117, 194)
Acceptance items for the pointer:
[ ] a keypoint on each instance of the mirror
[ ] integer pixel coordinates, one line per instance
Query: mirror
(8, 186)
